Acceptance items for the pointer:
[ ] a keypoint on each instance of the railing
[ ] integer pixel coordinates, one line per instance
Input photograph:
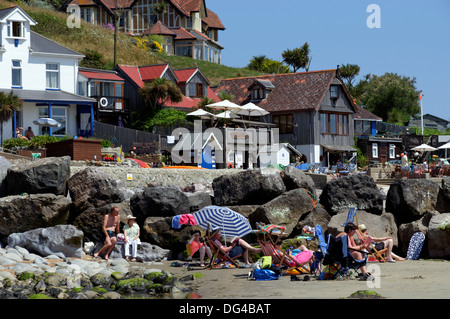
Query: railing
(107, 103)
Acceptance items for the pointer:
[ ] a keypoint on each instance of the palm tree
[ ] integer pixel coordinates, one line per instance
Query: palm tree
(257, 63)
(159, 9)
(159, 92)
(204, 101)
(8, 104)
(298, 58)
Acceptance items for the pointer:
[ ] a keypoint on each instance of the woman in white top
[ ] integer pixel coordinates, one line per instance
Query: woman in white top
(131, 232)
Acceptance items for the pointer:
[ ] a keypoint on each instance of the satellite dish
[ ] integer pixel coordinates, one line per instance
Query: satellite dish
(103, 102)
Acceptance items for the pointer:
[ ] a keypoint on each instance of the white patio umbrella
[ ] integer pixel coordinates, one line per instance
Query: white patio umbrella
(49, 122)
(227, 115)
(202, 114)
(445, 146)
(251, 109)
(224, 105)
(424, 148)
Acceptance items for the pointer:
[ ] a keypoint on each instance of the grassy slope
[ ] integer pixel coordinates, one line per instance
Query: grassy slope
(52, 25)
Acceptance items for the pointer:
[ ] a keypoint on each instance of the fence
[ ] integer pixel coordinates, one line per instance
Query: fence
(122, 135)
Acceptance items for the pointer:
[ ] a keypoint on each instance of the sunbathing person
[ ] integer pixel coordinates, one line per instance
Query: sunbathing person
(350, 230)
(299, 256)
(198, 247)
(380, 243)
(238, 247)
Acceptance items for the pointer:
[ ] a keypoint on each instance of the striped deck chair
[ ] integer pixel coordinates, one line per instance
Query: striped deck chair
(280, 258)
(219, 257)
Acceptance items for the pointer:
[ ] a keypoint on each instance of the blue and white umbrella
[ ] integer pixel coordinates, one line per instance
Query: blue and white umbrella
(230, 222)
(49, 122)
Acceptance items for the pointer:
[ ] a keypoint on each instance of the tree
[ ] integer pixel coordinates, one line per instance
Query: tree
(204, 101)
(8, 104)
(298, 58)
(159, 92)
(224, 95)
(159, 9)
(257, 63)
(348, 73)
(392, 97)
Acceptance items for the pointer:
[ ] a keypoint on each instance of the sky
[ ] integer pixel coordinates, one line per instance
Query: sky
(410, 38)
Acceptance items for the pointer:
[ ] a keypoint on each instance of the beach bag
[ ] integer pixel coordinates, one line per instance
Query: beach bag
(264, 274)
(415, 246)
(264, 262)
(329, 272)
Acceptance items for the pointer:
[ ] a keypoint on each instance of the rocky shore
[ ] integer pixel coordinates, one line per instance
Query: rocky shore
(52, 212)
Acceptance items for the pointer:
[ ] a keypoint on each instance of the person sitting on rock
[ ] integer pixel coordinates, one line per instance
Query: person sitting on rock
(111, 223)
(239, 247)
(131, 233)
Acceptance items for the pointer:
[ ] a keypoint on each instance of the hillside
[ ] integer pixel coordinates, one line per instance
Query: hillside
(52, 25)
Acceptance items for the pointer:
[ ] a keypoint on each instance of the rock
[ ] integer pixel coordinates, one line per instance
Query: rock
(295, 178)
(445, 186)
(284, 210)
(377, 225)
(248, 187)
(410, 199)
(62, 241)
(112, 295)
(407, 230)
(22, 213)
(4, 166)
(47, 175)
(358, 190)
(160, 202)
(91, 188)
(198, 200)
(439, 236)
(318, 216)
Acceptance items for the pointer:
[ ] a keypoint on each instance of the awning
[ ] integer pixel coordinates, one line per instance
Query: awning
(338, 148)
(46, 96)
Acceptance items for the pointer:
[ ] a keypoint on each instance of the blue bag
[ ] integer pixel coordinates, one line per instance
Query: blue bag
(264, 274)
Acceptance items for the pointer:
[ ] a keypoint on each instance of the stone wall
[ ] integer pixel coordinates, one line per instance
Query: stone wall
(159, 176)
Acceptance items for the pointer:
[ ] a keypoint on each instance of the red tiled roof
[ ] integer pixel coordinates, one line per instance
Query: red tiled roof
(133, 74)
(111, 4)
(101, 75)
(192, 103)
(83, 2)
(292, 92)
(190, 5)
(363, 114)
(151, 72)
(185, 74)
(159, 28)
(182, 34)
(212, 20)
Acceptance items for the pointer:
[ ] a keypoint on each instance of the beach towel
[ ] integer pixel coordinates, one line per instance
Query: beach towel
(415, 246)
(176, 222)
(187, 219)
(303, 256)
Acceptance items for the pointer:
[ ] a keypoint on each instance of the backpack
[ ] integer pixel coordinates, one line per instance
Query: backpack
(264, 274)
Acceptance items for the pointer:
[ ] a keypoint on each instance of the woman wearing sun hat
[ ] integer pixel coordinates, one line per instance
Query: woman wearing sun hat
(131, 232)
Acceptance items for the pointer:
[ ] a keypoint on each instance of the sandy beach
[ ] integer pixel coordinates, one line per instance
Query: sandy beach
(411, 279)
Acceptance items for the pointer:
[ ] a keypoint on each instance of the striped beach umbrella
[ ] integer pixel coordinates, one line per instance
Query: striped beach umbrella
(230, 222)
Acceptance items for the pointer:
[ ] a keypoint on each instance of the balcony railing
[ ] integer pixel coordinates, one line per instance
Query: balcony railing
(107, 103)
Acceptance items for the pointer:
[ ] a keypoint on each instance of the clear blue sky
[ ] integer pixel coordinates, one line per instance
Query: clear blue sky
(413, 41)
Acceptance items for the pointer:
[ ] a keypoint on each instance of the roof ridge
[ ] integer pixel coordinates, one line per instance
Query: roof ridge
(280, 74)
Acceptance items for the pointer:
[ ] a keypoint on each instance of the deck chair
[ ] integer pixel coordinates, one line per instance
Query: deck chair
(219, 257)
(348, 169)
(333, 172)
(352, 217)
(339, 260)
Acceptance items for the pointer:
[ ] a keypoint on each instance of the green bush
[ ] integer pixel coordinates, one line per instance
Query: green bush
(42, 140)
(15, 142)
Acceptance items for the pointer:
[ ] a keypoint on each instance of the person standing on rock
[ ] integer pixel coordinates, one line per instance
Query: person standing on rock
(131, 232)
(111, 224)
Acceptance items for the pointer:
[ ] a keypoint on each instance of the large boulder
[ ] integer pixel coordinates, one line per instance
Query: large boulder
(294, 178)
(47, 175)
(439, 236)
(357, 190)
(146, 252)
(284, 210)
(318, 216)
(4, 166)
(248, 187)
(160, 202)
(92, 188)
(61, 240)
(377, 225)
(410, 199)
(22, 213)
(407, 230)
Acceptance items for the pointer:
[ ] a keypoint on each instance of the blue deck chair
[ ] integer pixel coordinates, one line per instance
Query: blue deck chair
(350, 216)
(348, 169)
(340, 260)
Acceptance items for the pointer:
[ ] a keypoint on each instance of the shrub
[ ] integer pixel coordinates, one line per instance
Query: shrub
(11, 143)
(42, 140)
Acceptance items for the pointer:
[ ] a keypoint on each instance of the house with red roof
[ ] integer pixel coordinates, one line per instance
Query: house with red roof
(107, 88)
(192, 83)
(188, 26)
(312, 110)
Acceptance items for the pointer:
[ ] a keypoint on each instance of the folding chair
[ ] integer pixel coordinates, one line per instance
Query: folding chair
(333, 172)
(219, 257)
(352, 217)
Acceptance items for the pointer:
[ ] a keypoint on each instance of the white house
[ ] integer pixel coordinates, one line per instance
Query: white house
(42, 73)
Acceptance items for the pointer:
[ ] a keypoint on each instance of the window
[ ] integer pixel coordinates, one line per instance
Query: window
(52, 75)
(59, 114)
(284, 123)
(16, 73)
(375, 150)
(392, 151)
(15, 29)
(331, 123)
(86, 14)
(196, 90)
(334, 91)
(257, 93)
(43, 112)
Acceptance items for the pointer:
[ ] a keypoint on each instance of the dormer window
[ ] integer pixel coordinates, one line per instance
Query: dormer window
(15, 29)
(334, 92)
(257, 93)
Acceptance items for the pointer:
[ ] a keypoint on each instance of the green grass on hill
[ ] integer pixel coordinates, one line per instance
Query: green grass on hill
(52, 25)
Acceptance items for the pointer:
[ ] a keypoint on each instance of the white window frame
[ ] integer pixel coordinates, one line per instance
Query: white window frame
(52, 71)
(392, 151)
(19, 68)
(10, 29)
(375, 150)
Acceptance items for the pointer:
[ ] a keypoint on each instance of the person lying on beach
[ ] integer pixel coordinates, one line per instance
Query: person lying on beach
(350, 230)
(380, 244)
(198, 247)
(238, 247)
(111, 223)
(299, 256)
